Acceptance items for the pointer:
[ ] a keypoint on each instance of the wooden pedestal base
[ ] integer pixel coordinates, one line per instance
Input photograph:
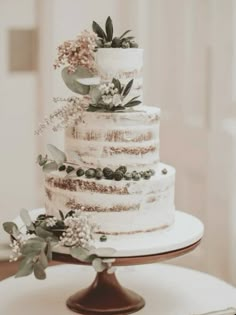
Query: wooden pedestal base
(105, 296)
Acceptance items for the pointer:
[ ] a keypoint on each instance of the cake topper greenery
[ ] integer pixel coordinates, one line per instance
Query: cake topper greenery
(106, 39)
(34, 245)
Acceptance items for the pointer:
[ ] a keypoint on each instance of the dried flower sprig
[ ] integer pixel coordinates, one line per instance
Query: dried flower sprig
(65, 115)
(78, 52)
(75, 230)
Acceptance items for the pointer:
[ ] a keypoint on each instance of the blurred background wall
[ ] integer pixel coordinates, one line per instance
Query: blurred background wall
(190, 72)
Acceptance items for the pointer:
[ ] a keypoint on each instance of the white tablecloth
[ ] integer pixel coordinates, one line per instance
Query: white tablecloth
(167, 289)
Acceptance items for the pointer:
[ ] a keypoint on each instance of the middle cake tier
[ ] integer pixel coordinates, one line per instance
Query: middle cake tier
(111, 139)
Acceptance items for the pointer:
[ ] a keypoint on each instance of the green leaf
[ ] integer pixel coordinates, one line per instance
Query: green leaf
(32, 247)
(43, 259)
(117, 84)
(133, 103)
(92, 108)
(39, 271)
(11, 228)
(132, 99)
(95, 94)
(109, 29)
(41, 160)
(98, 30)
(127, 39)
(50, 167)
(26, 267)
(25, 217)
(61, 215)
(71, 80)
(98, 265)
(128, 88)
(126, 32)
(80, 253)
(49, 251)
(58, 155)
(41, 232)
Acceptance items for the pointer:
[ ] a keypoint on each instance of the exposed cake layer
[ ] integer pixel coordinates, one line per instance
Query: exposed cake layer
(123, 64)
(103, 139)
(118, 207)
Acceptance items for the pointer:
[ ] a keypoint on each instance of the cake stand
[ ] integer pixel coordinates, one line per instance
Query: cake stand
(105, 295)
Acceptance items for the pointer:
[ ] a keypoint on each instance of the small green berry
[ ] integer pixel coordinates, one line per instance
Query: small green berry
(61, 167)
(90, 173)
(116, 42)
(133, 44)
(164, 171)
(134, 173)
(98, 173)
(146, 175)
(141, 173)
(152, 172)
(128, 176)
(118, 175)
(136, 177)
(69, 169)
(80, 172)
(108, 173)
(125, 44)
(103, 238)
(122, 168)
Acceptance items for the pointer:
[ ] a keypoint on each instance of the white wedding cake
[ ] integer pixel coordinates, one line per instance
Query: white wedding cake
(112, 168)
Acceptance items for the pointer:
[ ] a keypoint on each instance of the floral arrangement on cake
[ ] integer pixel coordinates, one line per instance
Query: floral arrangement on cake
(34, 245)
(78, 58)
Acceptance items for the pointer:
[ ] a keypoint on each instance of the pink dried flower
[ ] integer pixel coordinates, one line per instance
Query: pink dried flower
(78, 52)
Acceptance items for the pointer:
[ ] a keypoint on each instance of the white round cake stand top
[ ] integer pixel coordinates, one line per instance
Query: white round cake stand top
(185, 231)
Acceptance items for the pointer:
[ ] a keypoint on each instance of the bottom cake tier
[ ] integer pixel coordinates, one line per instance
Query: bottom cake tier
(117, 207)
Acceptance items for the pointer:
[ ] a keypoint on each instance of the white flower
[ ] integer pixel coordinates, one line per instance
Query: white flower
(50, 222)
(107, 99)
(116, 100)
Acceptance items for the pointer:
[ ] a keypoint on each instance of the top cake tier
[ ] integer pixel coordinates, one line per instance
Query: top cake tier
(122, 64)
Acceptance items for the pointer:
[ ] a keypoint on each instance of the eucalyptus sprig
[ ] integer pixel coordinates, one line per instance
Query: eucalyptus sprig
(106, 39)
(35, 246)
(49, 165)
(111, 97)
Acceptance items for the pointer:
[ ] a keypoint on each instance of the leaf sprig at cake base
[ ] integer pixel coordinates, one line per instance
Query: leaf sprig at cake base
(110, 176)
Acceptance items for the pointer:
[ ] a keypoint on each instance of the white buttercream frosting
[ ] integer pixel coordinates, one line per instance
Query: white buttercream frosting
(102, 139)
(116, 206)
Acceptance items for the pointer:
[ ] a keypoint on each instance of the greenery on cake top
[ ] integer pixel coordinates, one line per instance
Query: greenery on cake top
(107, 40)
(34, 246)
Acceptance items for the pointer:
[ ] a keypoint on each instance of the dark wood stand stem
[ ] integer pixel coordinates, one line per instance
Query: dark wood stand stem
(105, 296)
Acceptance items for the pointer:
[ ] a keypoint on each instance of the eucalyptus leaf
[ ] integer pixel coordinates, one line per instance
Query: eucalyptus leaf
(80, 253)
(71, 80)
(95, 94)
(125, 33)
(39, 271)
(11, 228)
(32, 247)
(58, 155)
(49, 251)
(133, 103)
(43, 259)
(109, 29)
(26, 267)
(128, 88)
(25, 217)
(98, 30)
(98, 265)
(50, 167)
(41, 232)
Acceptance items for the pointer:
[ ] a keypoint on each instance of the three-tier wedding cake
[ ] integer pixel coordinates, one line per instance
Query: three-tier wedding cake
(111, 167)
